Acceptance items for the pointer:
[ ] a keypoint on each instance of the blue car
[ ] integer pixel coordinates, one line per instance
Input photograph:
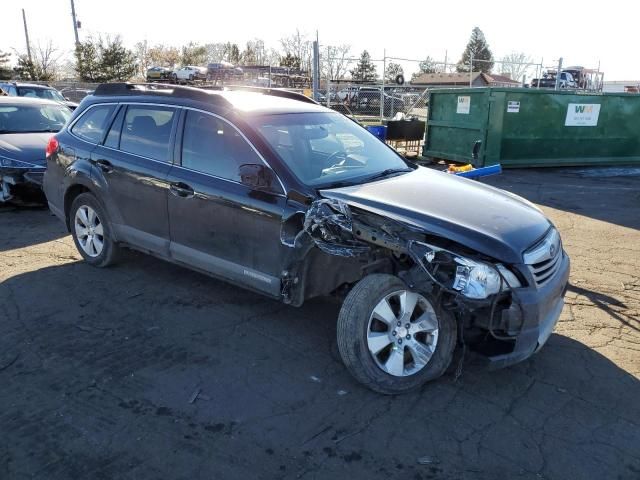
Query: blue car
(26, 125)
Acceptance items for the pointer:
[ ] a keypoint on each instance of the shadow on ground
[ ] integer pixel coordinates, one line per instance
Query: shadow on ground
(608, 194)
(19, 231)
(147, 370)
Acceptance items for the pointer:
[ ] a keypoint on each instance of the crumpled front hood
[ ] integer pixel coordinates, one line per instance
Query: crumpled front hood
(491, 221)
(25, 147)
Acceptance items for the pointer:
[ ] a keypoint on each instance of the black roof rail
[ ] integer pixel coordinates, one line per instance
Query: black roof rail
(168, 89)
(276, 92)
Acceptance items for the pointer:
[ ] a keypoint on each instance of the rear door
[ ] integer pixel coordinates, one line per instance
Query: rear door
(217, 223)
(133, 164)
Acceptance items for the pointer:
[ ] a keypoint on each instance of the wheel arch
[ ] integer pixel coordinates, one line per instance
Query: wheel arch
(69, 196)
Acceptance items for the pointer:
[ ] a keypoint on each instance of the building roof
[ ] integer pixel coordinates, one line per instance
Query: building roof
(463, 78)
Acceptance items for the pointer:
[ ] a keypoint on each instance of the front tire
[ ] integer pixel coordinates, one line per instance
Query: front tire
(92, 232)
(393, 339)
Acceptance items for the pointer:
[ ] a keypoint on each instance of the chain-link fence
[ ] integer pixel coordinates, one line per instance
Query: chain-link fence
(371, 103)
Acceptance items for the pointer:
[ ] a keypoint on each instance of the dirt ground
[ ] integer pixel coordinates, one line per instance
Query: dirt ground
(150, 371)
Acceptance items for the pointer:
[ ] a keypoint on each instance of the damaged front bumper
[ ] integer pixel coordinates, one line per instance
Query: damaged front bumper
(17, 177)
(540, 311)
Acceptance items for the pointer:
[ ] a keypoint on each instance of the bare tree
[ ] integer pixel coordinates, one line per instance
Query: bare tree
(271, 57)
(215, 52)
(298, 46)
(257, 50)
(335, 62)
(164, 56)
(43, 65)
(143, 58)
(393, 71)
(515, 65)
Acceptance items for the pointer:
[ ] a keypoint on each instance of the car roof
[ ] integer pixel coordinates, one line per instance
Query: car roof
(30, 85)
(27, 101)
(243, 100)
(259, 103)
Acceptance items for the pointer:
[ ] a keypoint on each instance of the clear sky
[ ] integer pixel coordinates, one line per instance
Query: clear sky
(583, 33)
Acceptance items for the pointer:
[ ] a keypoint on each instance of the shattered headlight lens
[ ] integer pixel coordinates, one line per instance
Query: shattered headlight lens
(475, 279)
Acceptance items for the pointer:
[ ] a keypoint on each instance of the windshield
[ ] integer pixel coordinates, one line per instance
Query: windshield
(47, 93)
(326, 148)
(32, 118)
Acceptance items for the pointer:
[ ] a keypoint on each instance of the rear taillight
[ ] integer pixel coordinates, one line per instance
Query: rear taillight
(52, 146)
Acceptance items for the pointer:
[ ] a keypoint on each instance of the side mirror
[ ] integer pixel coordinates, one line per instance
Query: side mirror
(476, 149)
(257, 176)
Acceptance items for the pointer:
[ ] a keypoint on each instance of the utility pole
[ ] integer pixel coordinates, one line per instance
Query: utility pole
(75, 22)
(316, 67)
(26, 35)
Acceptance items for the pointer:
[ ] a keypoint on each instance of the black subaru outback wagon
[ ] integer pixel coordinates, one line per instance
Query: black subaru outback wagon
(272, 192)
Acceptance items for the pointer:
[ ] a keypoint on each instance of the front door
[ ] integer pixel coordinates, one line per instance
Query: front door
(217, 223)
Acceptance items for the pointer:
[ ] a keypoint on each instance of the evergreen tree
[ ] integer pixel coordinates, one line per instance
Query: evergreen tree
(290, 60)
(117, 62)
(104, 60)
(478, 49)
(87, 61)
(365, 70)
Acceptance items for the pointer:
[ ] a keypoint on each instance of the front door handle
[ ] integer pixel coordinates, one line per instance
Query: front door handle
(104, 165)
(180, 189)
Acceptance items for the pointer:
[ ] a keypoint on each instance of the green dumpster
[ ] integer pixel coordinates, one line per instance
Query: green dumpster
(523, 127)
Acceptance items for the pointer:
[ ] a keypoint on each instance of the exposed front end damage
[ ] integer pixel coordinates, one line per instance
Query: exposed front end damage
(20, 180)
(501, 313)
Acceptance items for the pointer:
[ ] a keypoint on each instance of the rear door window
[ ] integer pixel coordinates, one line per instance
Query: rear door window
(93, 123)
(147, 131)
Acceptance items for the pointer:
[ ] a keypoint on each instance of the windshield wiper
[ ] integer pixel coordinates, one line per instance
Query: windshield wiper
(387, 172)
(339, 184)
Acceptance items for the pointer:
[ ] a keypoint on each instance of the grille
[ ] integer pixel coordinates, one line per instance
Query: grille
(544, 258)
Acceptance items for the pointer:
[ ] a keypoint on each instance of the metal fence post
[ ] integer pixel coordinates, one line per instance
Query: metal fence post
(558, 73)
(384, 73)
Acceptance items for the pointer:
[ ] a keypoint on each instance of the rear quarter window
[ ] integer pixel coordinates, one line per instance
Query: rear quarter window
(93, 123)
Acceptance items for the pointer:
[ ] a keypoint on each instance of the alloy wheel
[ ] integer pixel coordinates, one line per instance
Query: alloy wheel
(402, 333)
(89, 231)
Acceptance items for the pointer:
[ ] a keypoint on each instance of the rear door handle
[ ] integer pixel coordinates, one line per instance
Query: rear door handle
(104, 165)
(180, 189)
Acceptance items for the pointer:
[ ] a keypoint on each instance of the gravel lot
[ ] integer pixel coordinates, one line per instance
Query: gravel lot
(100, 369)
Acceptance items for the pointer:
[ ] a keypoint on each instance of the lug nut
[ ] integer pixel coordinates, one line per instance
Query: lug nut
(399, 324)
(394, 333)
(407, 326)
(399, 341)
(408, 337)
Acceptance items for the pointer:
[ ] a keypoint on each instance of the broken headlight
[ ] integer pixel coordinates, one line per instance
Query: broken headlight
(480, 280)
(475, 279)
(472, 278)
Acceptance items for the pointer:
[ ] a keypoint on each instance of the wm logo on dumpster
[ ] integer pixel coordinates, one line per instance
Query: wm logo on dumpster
(584, 108)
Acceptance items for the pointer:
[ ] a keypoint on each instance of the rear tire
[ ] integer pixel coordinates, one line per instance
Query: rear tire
(91, 231)
(425, 351)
